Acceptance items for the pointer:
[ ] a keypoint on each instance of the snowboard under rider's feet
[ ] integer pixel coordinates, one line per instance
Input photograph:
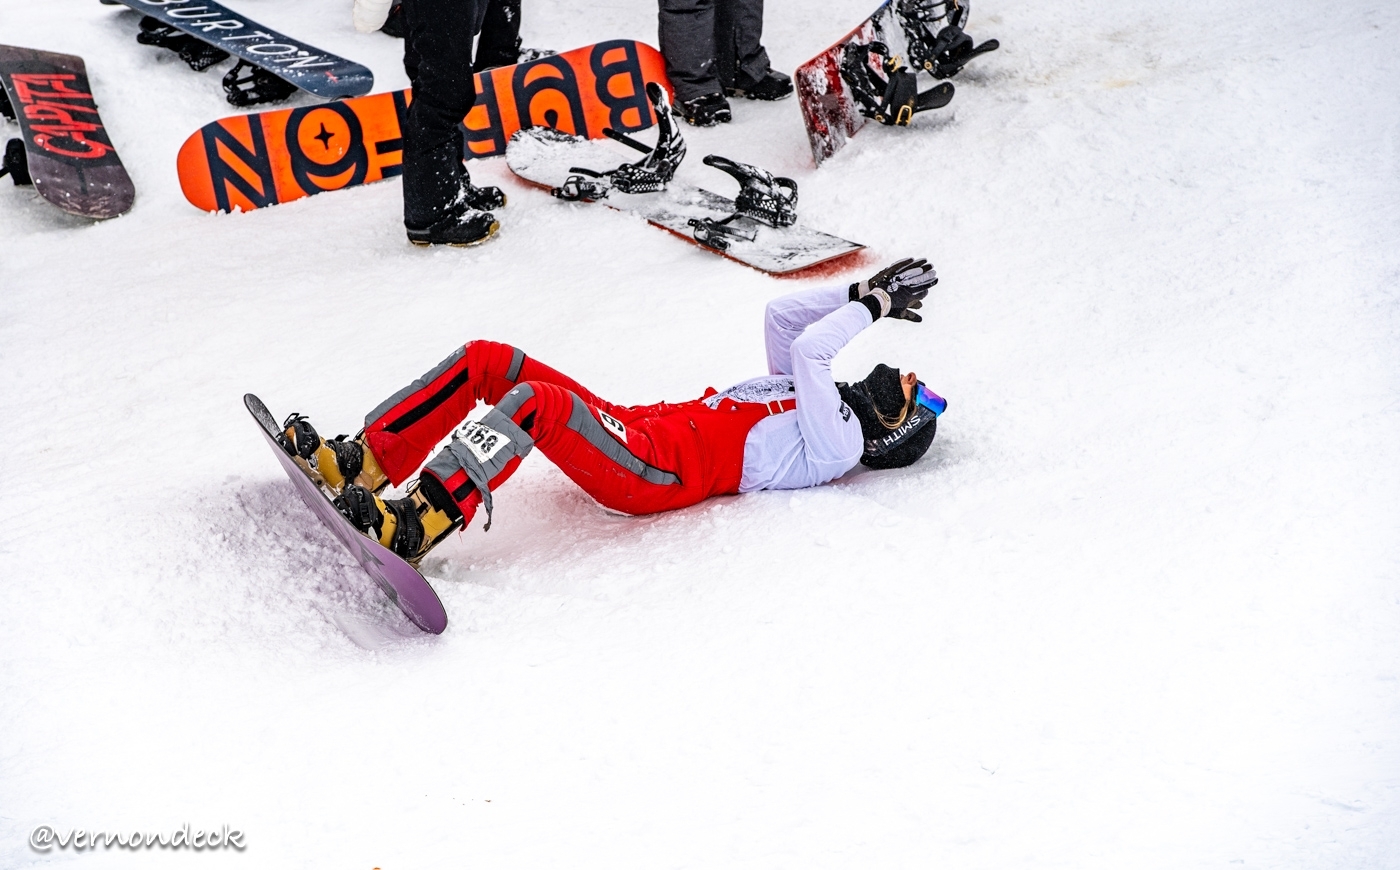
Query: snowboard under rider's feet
(409, 526)
(336, 461)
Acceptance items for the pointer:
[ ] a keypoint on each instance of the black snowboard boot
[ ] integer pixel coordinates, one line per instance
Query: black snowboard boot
(409, 526)
(335, 461)
(469, 220)
(486, 198)
(462, 229)
(773, 86)
(706, 110)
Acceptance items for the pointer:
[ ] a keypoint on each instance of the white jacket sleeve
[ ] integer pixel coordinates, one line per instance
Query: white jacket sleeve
(805, 332)
(788, 315)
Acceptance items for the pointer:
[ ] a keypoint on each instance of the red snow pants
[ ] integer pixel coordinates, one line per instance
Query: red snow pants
(637, 460)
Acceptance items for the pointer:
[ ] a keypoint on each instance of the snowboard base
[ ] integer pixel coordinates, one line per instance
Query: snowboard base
(315, 71)
(245, 162)
(69, 158)
(399, 580)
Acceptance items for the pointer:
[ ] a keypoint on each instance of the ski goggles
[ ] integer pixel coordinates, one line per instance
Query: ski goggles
(926, 398)
(927, 405)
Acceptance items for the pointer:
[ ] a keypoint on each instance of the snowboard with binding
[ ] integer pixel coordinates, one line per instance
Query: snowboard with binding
(271, 66)
(757, 228)
(251, 161)
(865, 74)
(64, 150)
(399, 580)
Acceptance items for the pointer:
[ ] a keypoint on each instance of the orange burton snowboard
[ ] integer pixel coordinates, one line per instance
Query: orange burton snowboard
(250, 161)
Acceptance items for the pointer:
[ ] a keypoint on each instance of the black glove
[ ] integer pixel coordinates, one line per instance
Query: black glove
(895, 289)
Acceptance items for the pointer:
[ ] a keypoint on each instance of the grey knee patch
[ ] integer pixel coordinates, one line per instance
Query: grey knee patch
(517, 359)
(482, 450)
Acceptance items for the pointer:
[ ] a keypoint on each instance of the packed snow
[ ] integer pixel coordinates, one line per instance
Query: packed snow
(1139, 607)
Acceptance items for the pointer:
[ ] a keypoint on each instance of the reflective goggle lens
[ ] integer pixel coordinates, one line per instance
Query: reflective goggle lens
(929, 399)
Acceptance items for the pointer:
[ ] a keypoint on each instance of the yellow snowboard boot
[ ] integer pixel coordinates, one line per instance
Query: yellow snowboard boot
(336, 461)
(409, 526)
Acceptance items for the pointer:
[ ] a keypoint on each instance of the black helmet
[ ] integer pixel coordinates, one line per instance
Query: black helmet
(897, 432)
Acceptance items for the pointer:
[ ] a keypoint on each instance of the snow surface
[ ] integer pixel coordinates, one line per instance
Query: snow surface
(1138, 608)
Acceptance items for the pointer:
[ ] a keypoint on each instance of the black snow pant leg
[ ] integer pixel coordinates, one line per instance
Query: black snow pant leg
(686, 30)
(499, 44)
(705, 42)
(437, 56)
(749, 55)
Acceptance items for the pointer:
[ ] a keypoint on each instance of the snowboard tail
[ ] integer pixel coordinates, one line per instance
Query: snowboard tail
(67, 153)
(399, 580)
(252, 161)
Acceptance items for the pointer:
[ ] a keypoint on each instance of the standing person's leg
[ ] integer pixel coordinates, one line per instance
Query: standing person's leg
(753, 75)
(686, 31)
(440, 206)
(499, 44)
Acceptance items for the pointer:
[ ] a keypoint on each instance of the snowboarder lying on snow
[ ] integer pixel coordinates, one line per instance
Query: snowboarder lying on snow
(794, 428)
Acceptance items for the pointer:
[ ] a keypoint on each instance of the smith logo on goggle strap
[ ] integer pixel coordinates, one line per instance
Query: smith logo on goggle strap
(927, 406)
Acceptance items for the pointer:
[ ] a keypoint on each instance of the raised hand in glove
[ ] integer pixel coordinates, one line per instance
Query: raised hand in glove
(895, 289)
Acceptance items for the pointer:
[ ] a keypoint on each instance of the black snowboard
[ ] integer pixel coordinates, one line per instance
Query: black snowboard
(66, 152)
(313, 70)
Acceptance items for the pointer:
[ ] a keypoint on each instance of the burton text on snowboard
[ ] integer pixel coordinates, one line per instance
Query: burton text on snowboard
(66, 153)
(261, 50)
(251, 161)
(399, 580)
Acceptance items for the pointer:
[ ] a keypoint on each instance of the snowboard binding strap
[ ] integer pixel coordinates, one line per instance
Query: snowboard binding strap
(942, 51)
(199, 55)
(763, 197)
(890, 96)
(718, 234)
(249, 85)
(578, 188)
(650, 174)
(16, 162)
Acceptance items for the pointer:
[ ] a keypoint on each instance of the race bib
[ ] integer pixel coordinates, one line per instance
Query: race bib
(483, 441)
(614, 426)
